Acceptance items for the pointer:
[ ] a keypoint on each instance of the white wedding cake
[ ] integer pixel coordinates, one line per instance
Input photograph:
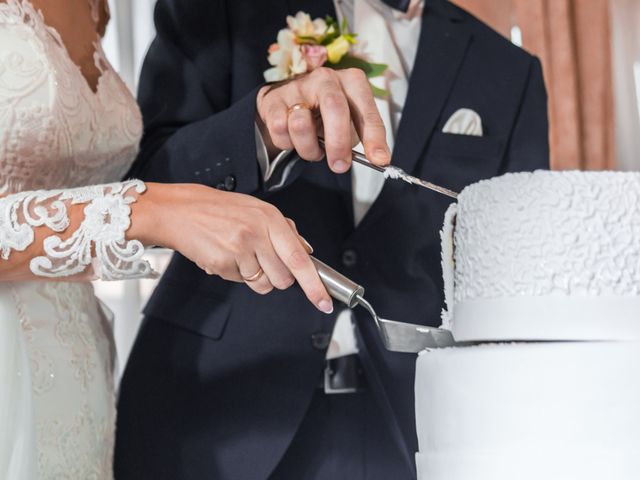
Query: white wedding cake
(547, 258)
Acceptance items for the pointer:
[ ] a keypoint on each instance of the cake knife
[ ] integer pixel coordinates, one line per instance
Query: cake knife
(396, 336)
(397, 173)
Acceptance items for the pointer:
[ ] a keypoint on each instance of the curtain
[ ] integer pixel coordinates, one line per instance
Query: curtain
(626, 66)
(572, 39)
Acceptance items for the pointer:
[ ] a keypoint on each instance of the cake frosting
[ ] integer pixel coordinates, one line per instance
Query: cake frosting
(553, 411)
(544, 255)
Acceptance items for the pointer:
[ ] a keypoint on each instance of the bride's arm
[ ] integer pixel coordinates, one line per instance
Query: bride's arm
(101, 231)
(71, 234)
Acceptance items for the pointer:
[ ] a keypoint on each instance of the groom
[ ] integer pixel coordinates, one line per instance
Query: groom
(225, 384)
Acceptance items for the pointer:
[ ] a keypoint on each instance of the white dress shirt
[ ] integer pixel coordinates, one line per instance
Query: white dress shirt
(384, 36)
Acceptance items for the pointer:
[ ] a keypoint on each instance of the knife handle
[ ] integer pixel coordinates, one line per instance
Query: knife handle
(339, 287)
(358, 158)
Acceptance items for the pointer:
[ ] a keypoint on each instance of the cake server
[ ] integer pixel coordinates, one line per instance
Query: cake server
(396, 336)
(397, 173)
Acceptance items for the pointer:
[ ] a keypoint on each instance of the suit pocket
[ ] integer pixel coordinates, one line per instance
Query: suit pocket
(455, 161)
(190, 309)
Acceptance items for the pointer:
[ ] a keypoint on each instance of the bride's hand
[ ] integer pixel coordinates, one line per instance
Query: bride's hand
(235, 236)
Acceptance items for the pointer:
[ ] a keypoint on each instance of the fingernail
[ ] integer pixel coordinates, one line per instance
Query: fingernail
(308, 245)
(381, 154)
(326, 306)
(340, 166)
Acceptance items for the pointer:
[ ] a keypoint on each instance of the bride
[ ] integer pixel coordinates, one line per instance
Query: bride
(67, 126)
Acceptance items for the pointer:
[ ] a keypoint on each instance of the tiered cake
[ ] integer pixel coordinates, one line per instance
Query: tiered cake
(537, 256)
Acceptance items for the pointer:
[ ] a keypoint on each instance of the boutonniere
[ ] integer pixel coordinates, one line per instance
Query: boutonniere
(308, 44)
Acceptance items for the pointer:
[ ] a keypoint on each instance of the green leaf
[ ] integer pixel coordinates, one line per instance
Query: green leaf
(331, 22)
(350, 37)
(370, 69)
(379, 92)
(312, 40)
(345, 26)
(376, 69)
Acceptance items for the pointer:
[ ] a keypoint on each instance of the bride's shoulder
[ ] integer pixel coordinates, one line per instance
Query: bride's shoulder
(23, 59)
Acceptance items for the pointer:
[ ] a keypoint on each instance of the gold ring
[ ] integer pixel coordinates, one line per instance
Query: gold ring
(255, 276)
(300, 106)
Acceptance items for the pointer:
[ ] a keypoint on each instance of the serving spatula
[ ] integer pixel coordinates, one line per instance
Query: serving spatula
(396, 336)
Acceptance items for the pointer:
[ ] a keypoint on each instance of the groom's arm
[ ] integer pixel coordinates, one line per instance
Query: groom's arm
(192, 131)
(197, 130)
(528, 147)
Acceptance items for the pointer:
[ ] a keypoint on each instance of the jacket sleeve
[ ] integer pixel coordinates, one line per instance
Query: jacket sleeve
(193, 133)
(528, 148)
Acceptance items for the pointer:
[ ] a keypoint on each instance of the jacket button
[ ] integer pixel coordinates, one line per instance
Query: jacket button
(230, 183)
(349, 258)
(321, 341)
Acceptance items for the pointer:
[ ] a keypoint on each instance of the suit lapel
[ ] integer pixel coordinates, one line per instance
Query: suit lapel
(443, 45)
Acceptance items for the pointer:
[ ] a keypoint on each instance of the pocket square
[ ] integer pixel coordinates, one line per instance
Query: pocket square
(464, 122)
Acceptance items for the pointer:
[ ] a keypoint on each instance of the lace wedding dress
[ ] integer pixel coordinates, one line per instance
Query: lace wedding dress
(56, 352)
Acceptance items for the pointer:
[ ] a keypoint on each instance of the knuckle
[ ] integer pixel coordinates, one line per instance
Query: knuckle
(298, 258)
(210, 266)
(334, 100)
(284, 282)
(243, 235)
(278, 126)
(355, 74)
(270, 210)
(373, 118)
(323, 73)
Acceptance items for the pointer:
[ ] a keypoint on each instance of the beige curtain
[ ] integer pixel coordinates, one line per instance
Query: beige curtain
(626, 67)
(572, 39)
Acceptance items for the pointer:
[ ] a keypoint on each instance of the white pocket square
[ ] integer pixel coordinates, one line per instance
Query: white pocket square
(464, 122)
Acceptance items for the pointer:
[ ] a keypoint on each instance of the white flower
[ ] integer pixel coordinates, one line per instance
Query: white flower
(302, 26)
(285, 57)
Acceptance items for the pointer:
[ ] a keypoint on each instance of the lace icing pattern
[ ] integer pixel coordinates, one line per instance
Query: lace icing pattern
(548, 233)
(99, 240)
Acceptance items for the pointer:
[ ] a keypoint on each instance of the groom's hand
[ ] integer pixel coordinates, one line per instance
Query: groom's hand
(330, 102)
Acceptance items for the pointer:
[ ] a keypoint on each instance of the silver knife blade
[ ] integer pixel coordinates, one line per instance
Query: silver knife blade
(396, 173)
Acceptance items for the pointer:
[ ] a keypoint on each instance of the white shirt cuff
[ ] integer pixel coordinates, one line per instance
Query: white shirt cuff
(267, 165)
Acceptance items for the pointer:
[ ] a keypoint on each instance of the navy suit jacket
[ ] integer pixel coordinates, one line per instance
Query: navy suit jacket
(221, 392)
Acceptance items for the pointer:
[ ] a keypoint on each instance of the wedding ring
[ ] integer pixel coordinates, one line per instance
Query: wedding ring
(254, 277)
(299, 106)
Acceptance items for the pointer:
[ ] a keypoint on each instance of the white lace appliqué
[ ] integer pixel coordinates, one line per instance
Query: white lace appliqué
(99, 240)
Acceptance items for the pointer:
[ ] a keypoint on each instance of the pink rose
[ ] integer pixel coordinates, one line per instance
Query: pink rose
(315, 55)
